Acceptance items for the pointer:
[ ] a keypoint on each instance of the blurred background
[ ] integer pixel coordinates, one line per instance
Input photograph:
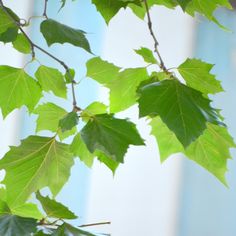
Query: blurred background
(177, 198)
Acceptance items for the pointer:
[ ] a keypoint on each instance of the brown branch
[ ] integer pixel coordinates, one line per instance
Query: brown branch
(33, 46)
(45, 9)
(95, 224)
(156, 44)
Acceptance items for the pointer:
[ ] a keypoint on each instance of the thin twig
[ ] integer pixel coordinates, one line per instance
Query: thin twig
(95, 224)
(33, 46)
(156, 44)
(45, 9)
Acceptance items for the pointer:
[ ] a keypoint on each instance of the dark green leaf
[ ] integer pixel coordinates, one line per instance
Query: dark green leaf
(184, 110)
(11, 225)
(69, 230)
(55, 209)
(55, 32)
(110, 135)
(69, 121)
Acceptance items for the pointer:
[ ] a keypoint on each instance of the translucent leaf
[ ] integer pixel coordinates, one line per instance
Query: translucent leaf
(38, 162)
(197, 75)
(17, 89)
(51, 79)
(55, 209)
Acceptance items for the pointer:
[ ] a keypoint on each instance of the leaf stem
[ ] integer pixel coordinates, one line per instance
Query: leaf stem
(33, 46)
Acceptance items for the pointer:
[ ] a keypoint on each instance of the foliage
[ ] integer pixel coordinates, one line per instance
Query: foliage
(178, 109)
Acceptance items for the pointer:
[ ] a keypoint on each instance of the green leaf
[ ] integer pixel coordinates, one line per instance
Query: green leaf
(69, 121)
(51, 79)
(6, 21)
(167, 142)
(206, 7)
(69, 76)
(25, 210)
(121, 84)
(9, 36)
(55, 32)
(49, 116)
(11, 225)
(22, 44)
(184, 110)
(55, 209)
(38, 162)
(123, 88)
(211, 150)
(108, 161)
(69, 230)
(110, 135)
(101, 71)
(147, 55)
(183, 3)
(197, 75)
(80, 150)
(17, 89)
(109, 8)
(94, 108)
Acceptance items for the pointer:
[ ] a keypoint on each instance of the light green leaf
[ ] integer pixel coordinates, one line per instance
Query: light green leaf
(22, 44)
(17, 89)
(211, 150)
(80, 150)
(206, 7)
(108, 161)
(184, 110)
(101, 71)
(51, 79)
(38, 162)
(55, 32)
(94, 108)
(49, 116)
(69, 76)
(110, 135)
(123, 88)
(197, 75)
(25, 210)
(69, 121)
(147, 55)
(55, 209)
(11, 225)
(167, 142)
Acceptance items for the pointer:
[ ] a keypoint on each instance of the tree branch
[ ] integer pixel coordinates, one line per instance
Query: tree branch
(45, 9)
(156, 44)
